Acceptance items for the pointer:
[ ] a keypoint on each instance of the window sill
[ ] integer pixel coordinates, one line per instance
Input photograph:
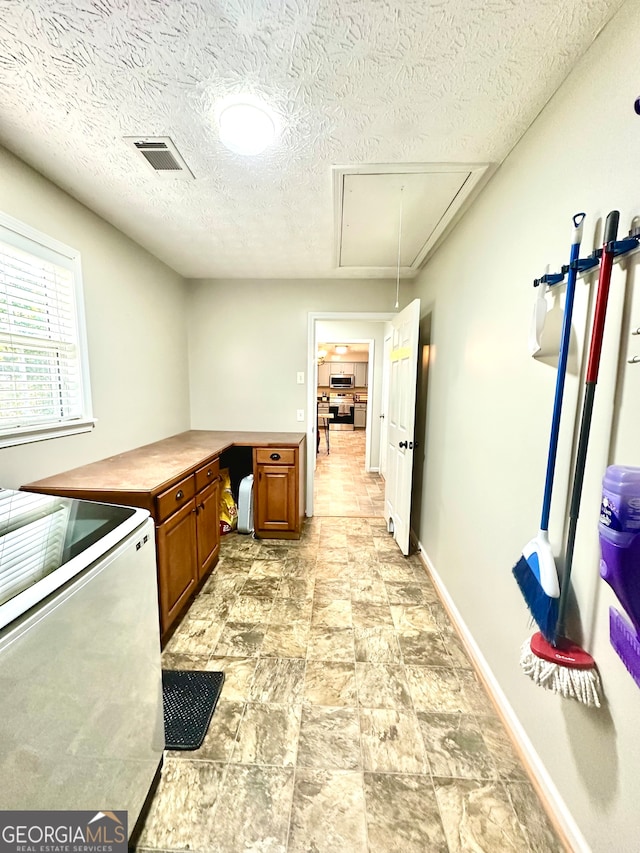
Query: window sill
(45, 432)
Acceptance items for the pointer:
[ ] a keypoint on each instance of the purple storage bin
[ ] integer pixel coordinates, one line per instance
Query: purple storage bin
(619, 531)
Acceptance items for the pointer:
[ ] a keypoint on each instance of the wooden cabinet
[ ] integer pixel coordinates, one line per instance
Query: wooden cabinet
(178, 480)
(177, 567)
(187, 538)
(208, 527)
(277, 492)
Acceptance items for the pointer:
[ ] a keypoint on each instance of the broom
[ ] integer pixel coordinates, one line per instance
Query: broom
(535, 571)
(559, 664)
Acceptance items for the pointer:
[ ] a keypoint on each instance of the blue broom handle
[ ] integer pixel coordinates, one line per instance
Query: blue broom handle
(563, 357)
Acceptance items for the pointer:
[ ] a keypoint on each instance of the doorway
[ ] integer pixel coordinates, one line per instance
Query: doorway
(345, 480)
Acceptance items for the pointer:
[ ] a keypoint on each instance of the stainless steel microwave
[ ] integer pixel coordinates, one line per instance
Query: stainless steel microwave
(342, 380)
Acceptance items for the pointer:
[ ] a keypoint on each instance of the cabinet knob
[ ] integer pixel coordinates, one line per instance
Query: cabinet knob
(275, 456)
(209, 472)
(179, 495)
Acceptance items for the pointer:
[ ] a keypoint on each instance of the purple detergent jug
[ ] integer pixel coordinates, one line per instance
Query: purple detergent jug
(619, 531)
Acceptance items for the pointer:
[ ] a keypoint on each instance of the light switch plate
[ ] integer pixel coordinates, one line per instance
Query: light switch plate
(300, 415)
(300, 379)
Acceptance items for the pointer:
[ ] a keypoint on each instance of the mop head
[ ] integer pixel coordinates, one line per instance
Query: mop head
(565, 669)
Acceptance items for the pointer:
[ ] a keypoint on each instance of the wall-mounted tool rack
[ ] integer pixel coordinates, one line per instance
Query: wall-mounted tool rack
(585, 266)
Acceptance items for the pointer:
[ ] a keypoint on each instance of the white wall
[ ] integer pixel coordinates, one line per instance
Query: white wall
(248, 339)
(334, 331)
(489, 410)
(136, 329)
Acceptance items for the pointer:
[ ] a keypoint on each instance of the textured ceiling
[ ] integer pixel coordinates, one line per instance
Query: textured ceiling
(353, 81)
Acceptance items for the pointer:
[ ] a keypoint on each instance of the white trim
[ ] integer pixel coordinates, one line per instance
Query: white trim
(35, 236)
(553, 801)
(46, 431)
(24, 236)
(312, 374)
(478, 173)
(370, 380)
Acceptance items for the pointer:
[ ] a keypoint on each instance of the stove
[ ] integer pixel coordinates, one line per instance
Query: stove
(342, 406)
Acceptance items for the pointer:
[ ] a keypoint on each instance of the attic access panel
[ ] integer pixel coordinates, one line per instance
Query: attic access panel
(368, 213)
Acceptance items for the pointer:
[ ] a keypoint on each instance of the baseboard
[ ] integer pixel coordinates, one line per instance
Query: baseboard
(374, 469)
(558, 813)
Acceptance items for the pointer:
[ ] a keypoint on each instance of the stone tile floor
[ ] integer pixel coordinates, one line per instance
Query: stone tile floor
(350, 719)
(342, 486)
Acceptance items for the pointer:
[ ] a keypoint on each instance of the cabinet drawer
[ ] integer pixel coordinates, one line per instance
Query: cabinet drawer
(207, 474)
(275, 456)
(175, 497)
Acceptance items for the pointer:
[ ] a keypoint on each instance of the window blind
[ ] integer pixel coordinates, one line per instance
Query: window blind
(41, 357)
(32, 538)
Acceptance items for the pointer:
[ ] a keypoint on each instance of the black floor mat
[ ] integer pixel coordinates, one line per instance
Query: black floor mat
(189, 699)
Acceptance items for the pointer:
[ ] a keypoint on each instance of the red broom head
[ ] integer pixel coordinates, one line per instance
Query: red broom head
(564, 653)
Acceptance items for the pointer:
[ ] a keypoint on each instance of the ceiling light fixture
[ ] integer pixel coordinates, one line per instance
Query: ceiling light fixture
(247, 126)
(341, 350)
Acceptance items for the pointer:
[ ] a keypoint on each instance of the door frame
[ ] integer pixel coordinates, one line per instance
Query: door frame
(386, 360)
(312, 375)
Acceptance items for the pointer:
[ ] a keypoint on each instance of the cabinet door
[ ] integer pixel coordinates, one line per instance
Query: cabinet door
(341, 367)
(208, 527)
(177, 569)
(276, 505)
(323, 374)
(360, 417)
(361, 373)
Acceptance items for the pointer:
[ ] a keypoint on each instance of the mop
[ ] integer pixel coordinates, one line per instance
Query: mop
(559, 664)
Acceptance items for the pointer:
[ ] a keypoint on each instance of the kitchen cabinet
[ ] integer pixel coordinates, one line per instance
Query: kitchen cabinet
(277, 482)
(361, 370)
(341, 367)
(323, 374)
(208, 528)
(360, 415)
(177, 562)
(177, 480)
(187, 538)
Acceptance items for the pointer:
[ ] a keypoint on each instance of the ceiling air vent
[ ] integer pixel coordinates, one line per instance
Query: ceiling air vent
(161, 155)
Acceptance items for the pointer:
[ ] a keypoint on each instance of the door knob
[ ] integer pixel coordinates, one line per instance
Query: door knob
(402, 444)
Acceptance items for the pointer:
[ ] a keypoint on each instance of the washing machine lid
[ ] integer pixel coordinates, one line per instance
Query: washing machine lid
(46, 540)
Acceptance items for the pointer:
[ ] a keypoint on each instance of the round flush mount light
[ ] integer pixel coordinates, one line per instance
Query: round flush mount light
(247, 126)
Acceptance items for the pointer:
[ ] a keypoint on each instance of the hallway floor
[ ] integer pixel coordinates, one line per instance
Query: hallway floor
(350, 721)
(342, 486)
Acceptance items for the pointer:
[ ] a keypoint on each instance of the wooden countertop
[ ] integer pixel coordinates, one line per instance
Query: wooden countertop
(151, 467)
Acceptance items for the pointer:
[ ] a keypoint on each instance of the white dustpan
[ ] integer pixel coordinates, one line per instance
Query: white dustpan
(537, 320)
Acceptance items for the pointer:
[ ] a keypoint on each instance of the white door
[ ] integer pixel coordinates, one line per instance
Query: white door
(401, 420)
(384, 405)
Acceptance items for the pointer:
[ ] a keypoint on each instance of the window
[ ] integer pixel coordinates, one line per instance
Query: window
(44, 374)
